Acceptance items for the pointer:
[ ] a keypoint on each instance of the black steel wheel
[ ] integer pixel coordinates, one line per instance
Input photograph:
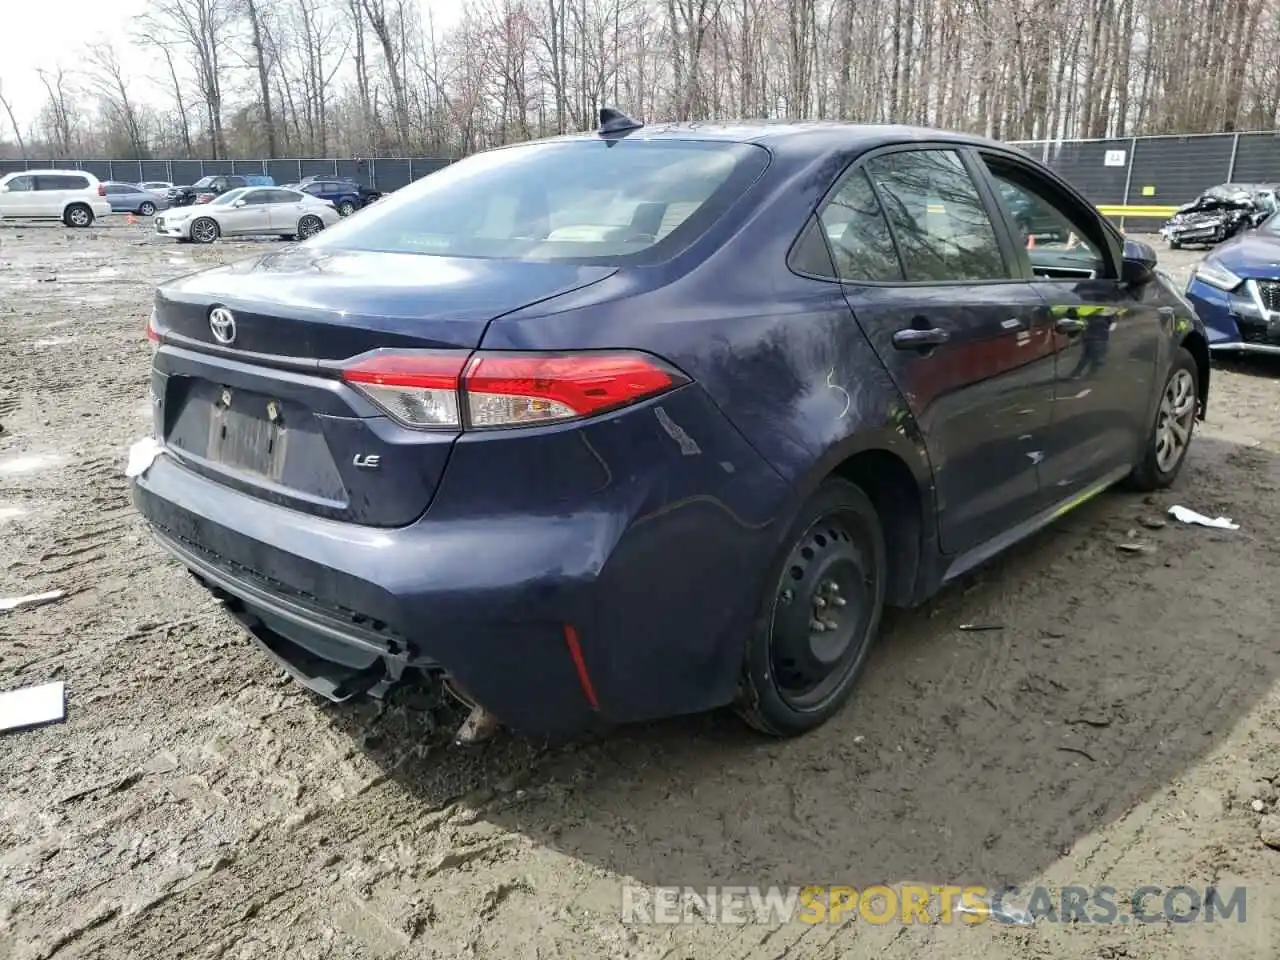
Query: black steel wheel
(817, 623)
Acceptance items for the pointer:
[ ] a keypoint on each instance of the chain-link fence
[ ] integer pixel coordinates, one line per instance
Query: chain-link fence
(385, 173)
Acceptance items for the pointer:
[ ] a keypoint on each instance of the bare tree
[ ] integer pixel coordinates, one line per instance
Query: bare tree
(13, 123)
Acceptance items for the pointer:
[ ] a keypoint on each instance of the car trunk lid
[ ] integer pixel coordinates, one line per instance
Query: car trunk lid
(253, 400)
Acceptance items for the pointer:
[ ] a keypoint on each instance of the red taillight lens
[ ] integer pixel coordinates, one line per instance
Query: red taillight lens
(510, 390)
(419, 388)
(152, 333)
(425, 389)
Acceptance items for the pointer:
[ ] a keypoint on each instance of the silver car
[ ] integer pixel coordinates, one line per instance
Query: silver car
(249, 211)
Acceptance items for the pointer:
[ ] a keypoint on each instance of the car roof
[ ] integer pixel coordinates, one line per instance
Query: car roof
(815, 136)
(57, 173)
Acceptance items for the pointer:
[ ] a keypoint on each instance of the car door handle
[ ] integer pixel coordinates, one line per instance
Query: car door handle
(1069, 325)
(915, 338)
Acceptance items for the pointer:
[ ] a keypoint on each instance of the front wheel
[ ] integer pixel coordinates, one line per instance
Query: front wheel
(78, 215)
(1170, 438)
(205, 230)
(309, 226)
(820, 616)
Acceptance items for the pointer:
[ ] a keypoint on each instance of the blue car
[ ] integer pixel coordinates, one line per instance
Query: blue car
(345, 195)
(649, 421)
(1236, 291)
(131, 198)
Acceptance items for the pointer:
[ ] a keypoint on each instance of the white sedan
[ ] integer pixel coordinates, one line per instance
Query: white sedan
(249, 211)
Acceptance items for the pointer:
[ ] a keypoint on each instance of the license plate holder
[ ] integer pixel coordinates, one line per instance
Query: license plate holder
(244, 437)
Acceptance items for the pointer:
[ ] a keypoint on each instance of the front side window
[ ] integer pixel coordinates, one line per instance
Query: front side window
(858, 233)
(938, 218)
(593, 201)
(254, 197)
(1057, 243)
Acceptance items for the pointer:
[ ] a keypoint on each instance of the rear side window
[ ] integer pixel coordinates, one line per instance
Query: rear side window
(21, 184)
(858, 233)
(586, 201)
(938, 217)
(56, 182)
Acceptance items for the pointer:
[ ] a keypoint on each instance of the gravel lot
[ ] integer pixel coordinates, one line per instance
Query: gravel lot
(1121, 729)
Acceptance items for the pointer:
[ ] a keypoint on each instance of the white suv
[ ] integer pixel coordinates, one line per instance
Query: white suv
(72, 196)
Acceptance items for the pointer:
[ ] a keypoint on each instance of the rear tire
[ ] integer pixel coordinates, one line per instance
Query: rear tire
(309, 226)
(205, 230)
(147, 209)
(346, 208)
(1169, 438)
(822, 610)
(78, 215)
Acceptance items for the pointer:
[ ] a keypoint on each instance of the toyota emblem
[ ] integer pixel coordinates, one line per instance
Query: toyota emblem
(223, 324)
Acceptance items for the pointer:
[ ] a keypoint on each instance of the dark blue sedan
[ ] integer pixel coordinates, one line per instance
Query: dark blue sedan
(1236, 291)
(650, 421)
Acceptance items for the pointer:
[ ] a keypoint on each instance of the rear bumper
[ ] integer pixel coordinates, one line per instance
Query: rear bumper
(620, 607)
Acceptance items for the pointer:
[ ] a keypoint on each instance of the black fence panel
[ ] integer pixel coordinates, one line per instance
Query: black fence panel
(318, 168)
(1257, 158)
(1094, 167)
(389, 174)
(249, 168)
(211, 168)
(186, 172)
(1168, 171)
(99, 168)
(149, 170)
(283, 171)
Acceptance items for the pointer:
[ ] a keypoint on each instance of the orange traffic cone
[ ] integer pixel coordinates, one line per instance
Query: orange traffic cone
(130, 219)
(1031, 242)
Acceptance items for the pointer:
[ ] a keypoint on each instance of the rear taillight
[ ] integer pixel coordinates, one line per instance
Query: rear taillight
(444, 389)
(153, 334)
(102, 191)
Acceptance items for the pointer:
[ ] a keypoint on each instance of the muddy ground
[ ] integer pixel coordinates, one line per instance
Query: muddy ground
(1121, 729)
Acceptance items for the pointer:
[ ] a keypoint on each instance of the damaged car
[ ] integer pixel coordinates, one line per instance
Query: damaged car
(1236, 292)
(1219, 214)
(648, 421)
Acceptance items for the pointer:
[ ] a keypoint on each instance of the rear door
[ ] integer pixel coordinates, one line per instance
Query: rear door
(933, 280)
(1106, 335)
(53, 191)
(253, 217)
(285, 209)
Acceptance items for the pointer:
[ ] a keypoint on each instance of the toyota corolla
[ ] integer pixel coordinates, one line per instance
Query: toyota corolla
(654, 420)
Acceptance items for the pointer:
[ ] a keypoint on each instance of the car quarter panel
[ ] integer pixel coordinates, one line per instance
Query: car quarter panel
(778, 353)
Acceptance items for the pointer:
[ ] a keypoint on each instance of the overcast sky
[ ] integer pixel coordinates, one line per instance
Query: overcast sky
(48, 32)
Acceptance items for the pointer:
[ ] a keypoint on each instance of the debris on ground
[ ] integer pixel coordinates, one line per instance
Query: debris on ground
(1269, 831)
(979, 627)
(1190, 516)
(32, 706)
(30, 600)
(1136, 547)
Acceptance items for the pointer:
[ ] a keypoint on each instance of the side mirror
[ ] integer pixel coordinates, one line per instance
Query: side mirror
(1139, 264)
(238, 203)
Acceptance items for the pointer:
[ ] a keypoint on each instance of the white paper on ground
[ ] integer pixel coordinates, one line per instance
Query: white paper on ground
(12, 603)
(32, 705)
(1190, 516)
(142, 455)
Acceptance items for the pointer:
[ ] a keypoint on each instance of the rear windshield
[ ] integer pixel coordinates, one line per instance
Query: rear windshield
(590, 201)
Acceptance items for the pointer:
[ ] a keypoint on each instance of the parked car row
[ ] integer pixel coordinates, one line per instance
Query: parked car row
(215, 206)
